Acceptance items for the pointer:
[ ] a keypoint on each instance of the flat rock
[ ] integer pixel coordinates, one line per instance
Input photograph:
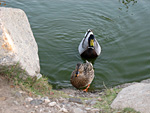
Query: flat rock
(36, 102)
(17, 43)
(136, 96)
(76, 100)
(51, 104)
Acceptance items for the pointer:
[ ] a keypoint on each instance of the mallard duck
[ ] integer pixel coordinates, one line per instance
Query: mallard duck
(82, 76)
(89, 47)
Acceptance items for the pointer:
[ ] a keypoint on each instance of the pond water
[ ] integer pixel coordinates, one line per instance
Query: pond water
(122, 27)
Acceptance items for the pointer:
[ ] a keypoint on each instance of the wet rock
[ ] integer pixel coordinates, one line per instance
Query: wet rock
(36, 102)
(51, 104)
(76, 100)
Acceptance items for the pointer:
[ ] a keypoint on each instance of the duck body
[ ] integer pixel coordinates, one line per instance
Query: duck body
(83, 75)
(89, 46)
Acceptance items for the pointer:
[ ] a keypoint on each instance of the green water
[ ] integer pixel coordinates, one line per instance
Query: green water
(122, 27)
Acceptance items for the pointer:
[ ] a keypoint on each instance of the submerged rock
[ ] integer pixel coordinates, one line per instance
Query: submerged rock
(136, 96)
(17, 43)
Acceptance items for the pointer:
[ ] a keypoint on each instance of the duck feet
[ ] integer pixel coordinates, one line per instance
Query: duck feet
(86, 88)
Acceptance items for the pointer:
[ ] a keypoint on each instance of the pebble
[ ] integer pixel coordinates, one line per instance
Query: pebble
(15, 102)
(87, 109)
(18, 94)
(76, 100)
(46, 100)
(51, 104)
(36, 102)
(28, 99)
(78, 110)
(91, 102)
(63, 110)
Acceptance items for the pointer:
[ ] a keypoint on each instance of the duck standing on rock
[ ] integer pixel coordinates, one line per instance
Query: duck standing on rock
(82, 76)
(89, 47)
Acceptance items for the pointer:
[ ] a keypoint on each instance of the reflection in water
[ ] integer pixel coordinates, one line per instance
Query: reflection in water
(92, 60)
(128, 2)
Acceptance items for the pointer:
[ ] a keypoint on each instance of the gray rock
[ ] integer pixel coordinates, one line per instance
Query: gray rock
(63, 110)
(51, 104)
(91, 102)
(28, 99)
(17, 43)
(36, 102)
(78, 110)
(136, 96)
(15, 102)
(18, 94)
(76, 100)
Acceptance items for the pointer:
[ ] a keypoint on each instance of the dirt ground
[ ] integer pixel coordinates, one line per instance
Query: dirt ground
(10, 100)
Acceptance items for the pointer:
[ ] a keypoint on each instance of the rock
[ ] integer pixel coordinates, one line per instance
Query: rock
(18, 94)
(46, 100)
(78, 110)
(15, 102)
(76, 100)
(36, 102)
(87, 109)
(28, 99)
(51, 104)
(17, 43)
(136, 96)
(63, 110)
(91, 102)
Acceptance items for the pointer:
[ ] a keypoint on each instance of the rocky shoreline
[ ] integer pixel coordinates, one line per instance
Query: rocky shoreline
(74, 101)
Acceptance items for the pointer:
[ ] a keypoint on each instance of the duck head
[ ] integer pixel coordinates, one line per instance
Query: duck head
(90, 36)
(79, 69)
(91, 41)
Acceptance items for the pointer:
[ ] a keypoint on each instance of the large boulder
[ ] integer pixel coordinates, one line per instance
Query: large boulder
(136, 96)
(17, 43)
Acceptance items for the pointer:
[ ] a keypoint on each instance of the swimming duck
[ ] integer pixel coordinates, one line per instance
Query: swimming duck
(82, 76)
(89, 47)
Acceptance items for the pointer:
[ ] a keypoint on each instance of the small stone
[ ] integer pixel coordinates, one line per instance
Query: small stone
(63, 110)
(93, 102)
(2, 98)
(46, 100)
(87, 109)
(78, 110)
(36, 107)
(36, 102)
(51, 104)
(28, 99)
(95, 110)
(18, 94)
(16, 103)
(99, 99)
(76, 100)
(26, 106)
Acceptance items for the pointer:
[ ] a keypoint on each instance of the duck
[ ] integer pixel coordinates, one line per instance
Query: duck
(89, 46)
(82, 76)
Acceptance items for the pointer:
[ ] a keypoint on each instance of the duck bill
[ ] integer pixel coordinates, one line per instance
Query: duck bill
(76, 75)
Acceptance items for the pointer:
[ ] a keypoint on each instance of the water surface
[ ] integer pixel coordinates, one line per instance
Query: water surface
(122, 27)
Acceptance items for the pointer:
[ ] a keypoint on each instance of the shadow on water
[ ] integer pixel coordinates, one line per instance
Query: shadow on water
(92, 60)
